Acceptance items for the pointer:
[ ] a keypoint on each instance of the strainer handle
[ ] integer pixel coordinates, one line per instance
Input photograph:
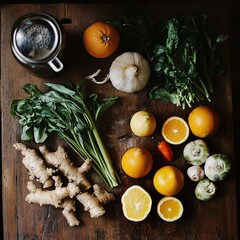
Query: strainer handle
(56, 64)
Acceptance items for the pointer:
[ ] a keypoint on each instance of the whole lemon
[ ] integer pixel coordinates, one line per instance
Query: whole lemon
(137, 162)
(143, 123)
(203, 121)
(168, 180)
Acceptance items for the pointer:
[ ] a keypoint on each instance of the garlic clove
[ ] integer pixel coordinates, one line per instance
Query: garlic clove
(195, 173)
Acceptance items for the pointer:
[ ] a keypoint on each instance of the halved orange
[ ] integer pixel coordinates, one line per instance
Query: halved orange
(136, 203)
(170, 209)
(175, 130)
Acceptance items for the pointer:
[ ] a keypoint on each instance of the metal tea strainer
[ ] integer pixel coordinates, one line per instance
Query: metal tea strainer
(37, 43)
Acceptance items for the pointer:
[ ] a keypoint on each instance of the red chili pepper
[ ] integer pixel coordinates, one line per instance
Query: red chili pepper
(165, 149)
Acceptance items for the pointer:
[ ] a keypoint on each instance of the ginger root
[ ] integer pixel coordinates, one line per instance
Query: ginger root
(103, 196)
(61, 196)
(94, 202)
(69, 208)
(61, 161)
(52, 197)
(91, 204)
(35, 165)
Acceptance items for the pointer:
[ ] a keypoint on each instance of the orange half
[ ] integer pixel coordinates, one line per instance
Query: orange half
(170, 209)
(175, 130)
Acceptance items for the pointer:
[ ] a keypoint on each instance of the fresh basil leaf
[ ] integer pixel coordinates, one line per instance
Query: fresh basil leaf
(32, 89)
(27, 133)
(40, 134)
(172, 39)
(162, 94)
(105, 105)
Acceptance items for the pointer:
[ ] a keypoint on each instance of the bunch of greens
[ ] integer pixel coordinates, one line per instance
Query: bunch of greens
(67, 111)
(183, 57)
(186, 63)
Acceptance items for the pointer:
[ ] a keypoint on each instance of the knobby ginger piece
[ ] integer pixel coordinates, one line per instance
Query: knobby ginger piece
(61, 161)
(52, 197)
(91, 204)
(103, 196)
(68, 212)
(35, 165)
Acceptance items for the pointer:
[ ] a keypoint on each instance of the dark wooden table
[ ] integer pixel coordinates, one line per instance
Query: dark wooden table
(216, 219)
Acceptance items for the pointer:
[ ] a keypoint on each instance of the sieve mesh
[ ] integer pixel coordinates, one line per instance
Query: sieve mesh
(36, 39)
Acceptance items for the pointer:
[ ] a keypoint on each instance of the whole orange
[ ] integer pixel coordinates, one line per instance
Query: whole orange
(137, 162)
(203, 121)
(168, 180)
(101, 39)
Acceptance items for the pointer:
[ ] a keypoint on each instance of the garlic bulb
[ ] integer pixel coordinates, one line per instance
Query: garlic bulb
(129, 72)
(195, 173)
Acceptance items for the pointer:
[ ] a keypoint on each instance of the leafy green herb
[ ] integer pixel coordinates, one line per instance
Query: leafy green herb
(185, 65)
(66, 111)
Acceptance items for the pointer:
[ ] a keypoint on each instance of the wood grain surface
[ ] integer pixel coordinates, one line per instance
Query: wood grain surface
(216, 219)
